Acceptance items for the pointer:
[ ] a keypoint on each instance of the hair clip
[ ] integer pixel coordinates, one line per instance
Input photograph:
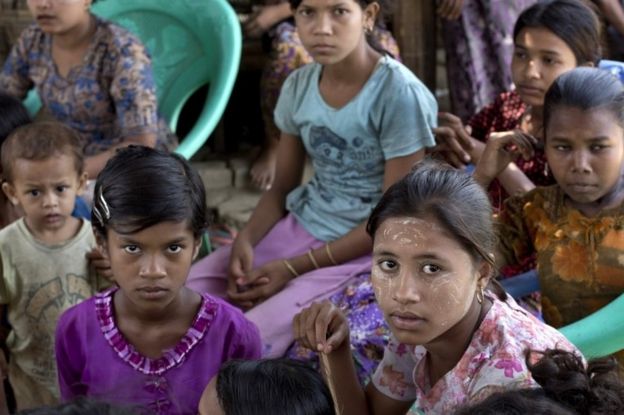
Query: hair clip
(101, 205)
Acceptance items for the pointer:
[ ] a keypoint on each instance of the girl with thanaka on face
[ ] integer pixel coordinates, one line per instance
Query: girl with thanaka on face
(550, 38)
(90, 74)
(149, 341)
(574, 226)
(363, 119)
(454, 341)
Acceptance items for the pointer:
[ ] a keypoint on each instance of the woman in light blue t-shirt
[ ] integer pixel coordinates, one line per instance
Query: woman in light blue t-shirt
(363, 119)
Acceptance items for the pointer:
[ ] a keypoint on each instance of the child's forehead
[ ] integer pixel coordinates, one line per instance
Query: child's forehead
(56, 166)
(162, 232)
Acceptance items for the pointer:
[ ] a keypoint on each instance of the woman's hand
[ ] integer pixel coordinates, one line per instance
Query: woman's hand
(321, 327)
(450, 9)
(263, 19)
(261, 283)
(453, 140)
(501, 149)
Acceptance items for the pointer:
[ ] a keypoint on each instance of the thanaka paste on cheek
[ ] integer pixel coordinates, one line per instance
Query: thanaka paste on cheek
(384, 286)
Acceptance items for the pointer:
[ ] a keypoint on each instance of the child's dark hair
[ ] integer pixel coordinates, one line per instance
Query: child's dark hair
(272, 386)
(450, 196)
(571, 21)
(140, 187)
(386, 8)
(586, 89)
(12, 115)
(39, 141)
(567, 388)
(80, 406)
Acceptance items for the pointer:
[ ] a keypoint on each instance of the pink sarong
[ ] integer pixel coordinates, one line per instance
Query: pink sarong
(274, 316)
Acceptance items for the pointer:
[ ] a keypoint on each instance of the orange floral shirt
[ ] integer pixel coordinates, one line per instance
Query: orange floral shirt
(580, 260)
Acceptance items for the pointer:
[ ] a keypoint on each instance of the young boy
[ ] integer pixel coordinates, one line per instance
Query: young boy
(44, 269)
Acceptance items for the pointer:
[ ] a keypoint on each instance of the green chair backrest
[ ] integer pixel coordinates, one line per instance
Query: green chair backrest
(192, 43)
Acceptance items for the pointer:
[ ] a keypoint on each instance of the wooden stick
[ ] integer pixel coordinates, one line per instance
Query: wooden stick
(330, 384)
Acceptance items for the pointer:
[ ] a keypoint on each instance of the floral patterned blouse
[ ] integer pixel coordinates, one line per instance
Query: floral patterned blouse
(111, 96)
(495, 360)
(580, 260)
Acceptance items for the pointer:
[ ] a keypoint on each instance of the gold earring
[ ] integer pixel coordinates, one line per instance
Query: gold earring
(480, 295)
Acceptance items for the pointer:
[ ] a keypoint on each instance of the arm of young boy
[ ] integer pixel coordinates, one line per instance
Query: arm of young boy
(323, 328)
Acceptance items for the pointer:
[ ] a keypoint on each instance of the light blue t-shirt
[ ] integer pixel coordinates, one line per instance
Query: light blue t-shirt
(391, 116)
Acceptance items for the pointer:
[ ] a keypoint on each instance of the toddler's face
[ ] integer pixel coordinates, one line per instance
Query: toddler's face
(151, 266)
(585, 152)
(46, 190)
(424, 280)
(330, 30)
(539, 58)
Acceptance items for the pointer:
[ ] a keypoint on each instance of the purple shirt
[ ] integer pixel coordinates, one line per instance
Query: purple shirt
(94, 359)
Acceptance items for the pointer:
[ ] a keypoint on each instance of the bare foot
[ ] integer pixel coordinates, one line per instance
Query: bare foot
(263, 168)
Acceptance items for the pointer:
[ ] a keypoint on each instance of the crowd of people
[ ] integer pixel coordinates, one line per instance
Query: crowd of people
(373, 288)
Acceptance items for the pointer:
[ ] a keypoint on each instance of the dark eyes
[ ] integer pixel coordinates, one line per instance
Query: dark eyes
(174, 249)
(131, 249)
(430, 268)
(134, 249)
(387, 265)
(390, 266)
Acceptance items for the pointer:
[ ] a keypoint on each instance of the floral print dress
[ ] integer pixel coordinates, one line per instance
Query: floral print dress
(580, 260)
(494, 361)
(108, 98)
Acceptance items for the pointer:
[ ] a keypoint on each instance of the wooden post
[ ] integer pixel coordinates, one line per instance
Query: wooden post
(415, 29)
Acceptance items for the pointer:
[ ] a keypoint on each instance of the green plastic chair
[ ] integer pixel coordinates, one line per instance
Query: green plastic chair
(601, 333)
(192, 43)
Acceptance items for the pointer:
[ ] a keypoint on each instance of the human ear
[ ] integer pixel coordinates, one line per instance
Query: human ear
(82, 182)
(370, 15)
(196, 246)
(10, 192)
(484, 274)
(588, 64)
(101, 242)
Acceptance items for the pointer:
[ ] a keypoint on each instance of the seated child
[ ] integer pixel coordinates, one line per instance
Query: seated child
(567, 388)
(453, 340)
(550, 38)
(575, 226)
(287, 53)
(149, 341)
(90, 74)
(362, 119)
(12, 115)
(270, 386)
(44, 268)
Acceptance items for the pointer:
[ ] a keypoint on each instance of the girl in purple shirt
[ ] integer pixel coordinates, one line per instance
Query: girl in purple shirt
(149, 341)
